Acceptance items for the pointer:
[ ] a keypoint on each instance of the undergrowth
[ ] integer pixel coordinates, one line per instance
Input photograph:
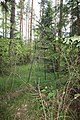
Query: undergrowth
(56, 98)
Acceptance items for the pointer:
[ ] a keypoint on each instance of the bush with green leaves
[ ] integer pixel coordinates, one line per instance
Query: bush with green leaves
(20, 54)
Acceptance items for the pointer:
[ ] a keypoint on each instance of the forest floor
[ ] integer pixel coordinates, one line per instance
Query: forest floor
(21, 99)
(25, 94)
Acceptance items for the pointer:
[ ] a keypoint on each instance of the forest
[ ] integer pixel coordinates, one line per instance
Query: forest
(39, 59)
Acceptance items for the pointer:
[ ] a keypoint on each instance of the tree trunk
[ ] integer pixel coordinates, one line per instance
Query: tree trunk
(57, 64)
(12, 28)
(12, 19)
(28, 24)
(31, 21)
(78, 30)
(60, 21)
(3, 22)
(21, 17)
(78, 19)
(6, 10)
(72, 19)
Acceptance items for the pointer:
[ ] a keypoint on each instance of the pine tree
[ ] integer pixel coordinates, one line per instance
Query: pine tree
(31, 20)
(12, 28)
(61, 19)
(74, 11)
(21, 17)
(6, 11)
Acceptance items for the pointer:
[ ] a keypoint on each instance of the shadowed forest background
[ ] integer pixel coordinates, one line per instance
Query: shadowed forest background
(39, 60)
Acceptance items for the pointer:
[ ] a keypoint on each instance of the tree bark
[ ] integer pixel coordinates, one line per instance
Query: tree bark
(12, 29)
(28, 24)
(60, 21)
(78, 19)
(6, 10)
(21, 17)
(12, 19)
(31, 21)
(57, 64)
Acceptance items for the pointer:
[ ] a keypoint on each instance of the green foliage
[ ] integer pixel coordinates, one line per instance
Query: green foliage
(59, 89)
(74, 11)
(21, 52)
(45, 24)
